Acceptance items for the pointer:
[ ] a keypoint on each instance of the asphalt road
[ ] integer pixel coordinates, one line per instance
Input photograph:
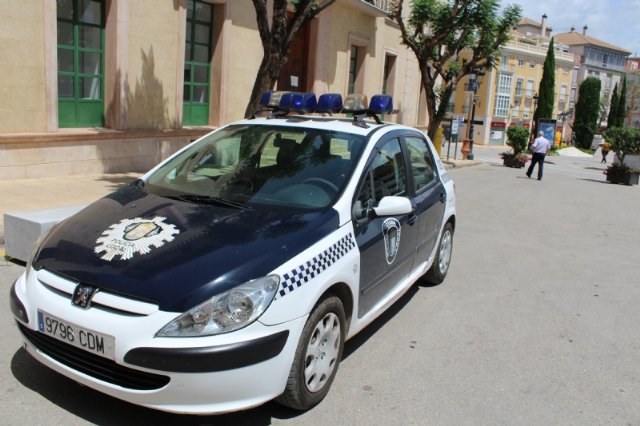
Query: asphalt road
(537, 323)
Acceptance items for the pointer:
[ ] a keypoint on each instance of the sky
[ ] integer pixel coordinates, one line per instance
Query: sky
(614, 21)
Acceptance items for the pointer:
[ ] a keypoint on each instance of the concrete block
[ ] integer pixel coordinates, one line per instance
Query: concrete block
(22, 229)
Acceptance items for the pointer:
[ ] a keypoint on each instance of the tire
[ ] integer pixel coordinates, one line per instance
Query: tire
(317, 356)
(440, 266)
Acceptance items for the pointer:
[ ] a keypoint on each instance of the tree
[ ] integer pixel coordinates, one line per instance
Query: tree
(612, 118)
(624, 141)
(622, 103)
(277, 37)
(438, 32)
(546, 90)
(587, 111)
(603, 111)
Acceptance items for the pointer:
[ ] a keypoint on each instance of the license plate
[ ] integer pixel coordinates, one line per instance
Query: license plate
(75, 335)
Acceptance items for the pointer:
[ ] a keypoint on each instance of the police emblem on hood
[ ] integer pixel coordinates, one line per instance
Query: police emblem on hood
(132, 236)
(391, 232)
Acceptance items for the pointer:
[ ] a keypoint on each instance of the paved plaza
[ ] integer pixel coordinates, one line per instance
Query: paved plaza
(537, 322)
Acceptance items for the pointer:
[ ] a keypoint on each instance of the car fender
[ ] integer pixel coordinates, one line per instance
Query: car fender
(308, 275)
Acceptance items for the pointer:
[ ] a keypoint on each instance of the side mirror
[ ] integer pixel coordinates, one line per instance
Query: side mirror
(393, 206)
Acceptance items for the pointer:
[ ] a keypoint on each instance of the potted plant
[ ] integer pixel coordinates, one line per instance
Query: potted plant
(517, 137)
(624, 142)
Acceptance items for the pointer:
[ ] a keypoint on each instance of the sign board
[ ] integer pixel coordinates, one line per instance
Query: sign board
(454, 127)
(548, 127)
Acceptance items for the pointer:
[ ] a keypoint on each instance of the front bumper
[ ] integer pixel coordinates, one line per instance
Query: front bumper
(201, 375)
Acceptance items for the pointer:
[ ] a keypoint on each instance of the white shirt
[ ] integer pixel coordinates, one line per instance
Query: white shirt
(541, 145)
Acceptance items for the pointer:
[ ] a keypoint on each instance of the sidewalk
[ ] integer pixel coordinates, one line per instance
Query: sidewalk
(31, 194)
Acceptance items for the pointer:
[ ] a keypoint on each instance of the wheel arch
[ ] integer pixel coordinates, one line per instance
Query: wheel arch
(343, 292)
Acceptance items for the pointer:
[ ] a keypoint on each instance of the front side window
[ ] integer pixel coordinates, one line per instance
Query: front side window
(385, 176)
(422, 166)
(261, 167)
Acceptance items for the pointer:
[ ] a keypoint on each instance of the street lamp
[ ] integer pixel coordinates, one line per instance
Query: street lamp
(474, 82)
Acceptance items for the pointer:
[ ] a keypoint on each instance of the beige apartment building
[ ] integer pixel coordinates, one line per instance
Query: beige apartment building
(507, 94)
(92, 86)
(633, 93)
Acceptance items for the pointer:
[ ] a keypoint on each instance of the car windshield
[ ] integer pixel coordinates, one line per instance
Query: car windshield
(247, 166)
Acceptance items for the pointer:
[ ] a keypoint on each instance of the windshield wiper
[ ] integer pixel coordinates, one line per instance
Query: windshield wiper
(207, 199)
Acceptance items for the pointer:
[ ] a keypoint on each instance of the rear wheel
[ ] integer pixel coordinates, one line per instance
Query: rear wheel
(440, 267)
(317, 357)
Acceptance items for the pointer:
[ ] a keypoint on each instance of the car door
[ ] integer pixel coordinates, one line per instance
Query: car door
(387, 244)
(428, 195)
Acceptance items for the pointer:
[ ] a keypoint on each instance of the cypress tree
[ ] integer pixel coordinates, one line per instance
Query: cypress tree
(546, 89)
(587, 111)
(622, 103)
(612, 118)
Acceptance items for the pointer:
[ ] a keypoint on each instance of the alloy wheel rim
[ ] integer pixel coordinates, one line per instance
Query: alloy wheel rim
(445, 252)
(322, 352)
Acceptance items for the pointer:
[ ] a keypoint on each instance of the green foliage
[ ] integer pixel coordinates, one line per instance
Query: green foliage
(546, 89)
(438, 31)
(622, 103)
(587, 111)
(612, 118)
(624, 141)
(517, 138)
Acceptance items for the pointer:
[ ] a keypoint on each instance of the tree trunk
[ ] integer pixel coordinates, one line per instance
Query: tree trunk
(266, 78)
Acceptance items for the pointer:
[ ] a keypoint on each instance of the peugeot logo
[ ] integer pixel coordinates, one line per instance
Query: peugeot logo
(82, 296)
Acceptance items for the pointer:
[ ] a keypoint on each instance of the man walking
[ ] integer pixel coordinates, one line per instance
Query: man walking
(540, 149)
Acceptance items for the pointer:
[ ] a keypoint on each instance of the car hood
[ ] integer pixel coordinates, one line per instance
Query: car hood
(174, 253)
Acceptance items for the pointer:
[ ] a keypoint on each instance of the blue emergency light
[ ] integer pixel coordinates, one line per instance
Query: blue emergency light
(329, 103)
(303, 102)
(381, 104)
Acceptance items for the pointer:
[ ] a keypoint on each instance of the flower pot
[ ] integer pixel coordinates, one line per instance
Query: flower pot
(512, 161)
(466, 148)
(626, 178)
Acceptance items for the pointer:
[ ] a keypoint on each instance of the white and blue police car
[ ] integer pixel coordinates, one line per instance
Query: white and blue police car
(233, 272)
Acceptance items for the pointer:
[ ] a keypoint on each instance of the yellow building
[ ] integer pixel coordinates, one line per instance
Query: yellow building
(507, 94)
(116, 85)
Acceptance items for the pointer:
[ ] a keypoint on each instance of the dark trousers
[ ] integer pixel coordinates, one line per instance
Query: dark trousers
(537, 158)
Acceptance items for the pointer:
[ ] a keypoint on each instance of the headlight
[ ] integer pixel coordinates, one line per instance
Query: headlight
(225, 312)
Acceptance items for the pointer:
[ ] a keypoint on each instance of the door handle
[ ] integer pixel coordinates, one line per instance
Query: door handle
(443, 197)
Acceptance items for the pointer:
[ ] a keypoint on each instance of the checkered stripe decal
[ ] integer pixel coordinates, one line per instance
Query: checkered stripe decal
(313, 267)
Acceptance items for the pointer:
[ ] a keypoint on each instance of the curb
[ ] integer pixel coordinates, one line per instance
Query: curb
(457, 164)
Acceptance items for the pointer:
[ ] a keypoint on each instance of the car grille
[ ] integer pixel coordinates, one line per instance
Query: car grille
(93, 365)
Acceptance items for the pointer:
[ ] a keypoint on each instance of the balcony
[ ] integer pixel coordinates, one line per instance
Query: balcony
(374, 7)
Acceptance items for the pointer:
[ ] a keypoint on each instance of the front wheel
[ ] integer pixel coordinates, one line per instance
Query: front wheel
(317, 356)
(440, 266)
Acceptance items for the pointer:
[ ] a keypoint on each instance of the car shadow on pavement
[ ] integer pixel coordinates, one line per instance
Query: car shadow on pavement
(98, 408)
(361, 338)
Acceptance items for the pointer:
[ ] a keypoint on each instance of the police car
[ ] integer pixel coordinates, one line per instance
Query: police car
(233, 272)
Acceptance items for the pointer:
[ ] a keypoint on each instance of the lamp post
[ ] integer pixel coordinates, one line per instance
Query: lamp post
(474, 82)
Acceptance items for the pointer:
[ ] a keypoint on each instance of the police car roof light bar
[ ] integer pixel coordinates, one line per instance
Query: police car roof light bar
(329, 103)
